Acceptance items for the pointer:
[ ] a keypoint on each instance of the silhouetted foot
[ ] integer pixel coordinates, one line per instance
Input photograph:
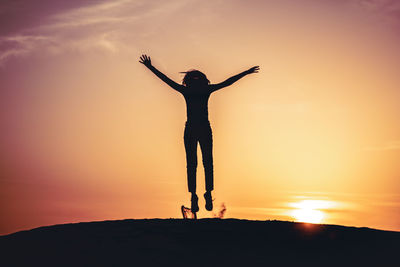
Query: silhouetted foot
(209, 204)
(195, 205)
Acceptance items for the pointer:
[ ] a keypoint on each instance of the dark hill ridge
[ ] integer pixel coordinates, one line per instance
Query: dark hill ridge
(205, 242)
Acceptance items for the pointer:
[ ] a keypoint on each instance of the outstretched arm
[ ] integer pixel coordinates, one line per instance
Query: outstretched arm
(145, 60)
(233, 79)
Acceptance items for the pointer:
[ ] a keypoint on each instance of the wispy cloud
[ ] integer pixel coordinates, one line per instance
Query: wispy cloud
(387, 10)
(391, 145)
(110, 26)
(105, 26)
(103, 13)
(19, 45)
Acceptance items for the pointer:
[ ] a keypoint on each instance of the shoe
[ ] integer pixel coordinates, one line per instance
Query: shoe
(208, 198)
(195, 205)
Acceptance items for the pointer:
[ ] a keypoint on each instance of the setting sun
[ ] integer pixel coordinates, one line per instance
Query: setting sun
(308, 215)
(310, 211)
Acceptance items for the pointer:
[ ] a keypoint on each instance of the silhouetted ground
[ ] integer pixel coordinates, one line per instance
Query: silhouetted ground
(205, 242)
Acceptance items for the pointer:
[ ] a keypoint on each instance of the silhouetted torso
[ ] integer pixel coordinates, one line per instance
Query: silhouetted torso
(197, 103)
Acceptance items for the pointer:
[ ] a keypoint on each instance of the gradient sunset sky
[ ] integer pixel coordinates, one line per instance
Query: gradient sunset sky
(88, 133)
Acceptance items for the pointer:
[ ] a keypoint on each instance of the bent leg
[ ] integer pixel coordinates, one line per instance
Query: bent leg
(191, 157)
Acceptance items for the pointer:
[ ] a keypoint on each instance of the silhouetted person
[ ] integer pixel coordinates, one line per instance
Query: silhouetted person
(196, 89)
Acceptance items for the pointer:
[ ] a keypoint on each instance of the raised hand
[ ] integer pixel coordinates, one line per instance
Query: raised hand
(254, 69)
(145, 60)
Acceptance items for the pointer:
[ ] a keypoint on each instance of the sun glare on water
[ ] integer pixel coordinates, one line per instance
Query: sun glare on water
(310, 211)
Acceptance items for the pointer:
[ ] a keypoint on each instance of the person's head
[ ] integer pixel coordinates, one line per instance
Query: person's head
(194, 78)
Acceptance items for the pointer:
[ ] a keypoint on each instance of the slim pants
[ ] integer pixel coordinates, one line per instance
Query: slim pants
(198, 132)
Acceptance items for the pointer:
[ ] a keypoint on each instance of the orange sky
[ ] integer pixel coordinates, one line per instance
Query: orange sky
(89, 134)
